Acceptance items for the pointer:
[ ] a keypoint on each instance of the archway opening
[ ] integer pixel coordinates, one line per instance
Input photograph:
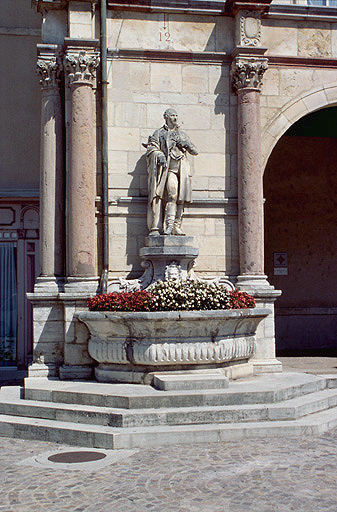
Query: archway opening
(300, 188)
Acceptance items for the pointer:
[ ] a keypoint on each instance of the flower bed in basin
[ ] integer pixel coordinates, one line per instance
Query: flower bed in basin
(130, 341)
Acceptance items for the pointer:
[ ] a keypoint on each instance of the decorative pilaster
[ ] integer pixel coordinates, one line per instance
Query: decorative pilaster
(80, 64)
(51, 169)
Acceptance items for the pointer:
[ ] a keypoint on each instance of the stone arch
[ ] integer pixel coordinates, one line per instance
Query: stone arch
(310, 101)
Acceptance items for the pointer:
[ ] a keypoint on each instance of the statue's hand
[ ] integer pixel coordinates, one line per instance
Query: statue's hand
(161, 159)
(190, 147)
(186, 144)
(193, 150)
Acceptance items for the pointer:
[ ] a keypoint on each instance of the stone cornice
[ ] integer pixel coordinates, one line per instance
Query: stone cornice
(209, 7)
(87, 44)
(302, 13)
(233, 6)
(168, 55)
(206, 7)
(20, 31)
(43, 5)
(247, 72)
(302, 62)
(219, 57)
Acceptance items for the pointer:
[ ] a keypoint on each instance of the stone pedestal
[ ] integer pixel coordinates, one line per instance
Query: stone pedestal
(48, 334)
(169, 256)
(163, 257)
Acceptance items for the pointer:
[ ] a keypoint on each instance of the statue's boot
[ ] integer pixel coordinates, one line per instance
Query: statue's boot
(177, 221)
(177, 228)
(170, 216)
(154, 232)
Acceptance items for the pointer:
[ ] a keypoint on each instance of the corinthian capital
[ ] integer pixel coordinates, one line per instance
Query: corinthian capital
(81, 66)
(248, 72)
(49, 70)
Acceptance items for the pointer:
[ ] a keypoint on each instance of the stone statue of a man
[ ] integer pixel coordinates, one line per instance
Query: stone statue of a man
(169, 176)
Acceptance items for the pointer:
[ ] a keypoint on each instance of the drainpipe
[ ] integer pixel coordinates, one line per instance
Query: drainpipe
(104, 151)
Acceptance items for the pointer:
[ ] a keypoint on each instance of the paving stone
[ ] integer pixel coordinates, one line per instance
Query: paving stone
(258, 475)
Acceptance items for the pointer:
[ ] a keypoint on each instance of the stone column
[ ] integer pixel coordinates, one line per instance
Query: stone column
(51, 171)
(80, 67)
(48, 331)
(247, 75)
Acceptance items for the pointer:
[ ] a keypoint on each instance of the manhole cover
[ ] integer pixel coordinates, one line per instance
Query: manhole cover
(76, 457)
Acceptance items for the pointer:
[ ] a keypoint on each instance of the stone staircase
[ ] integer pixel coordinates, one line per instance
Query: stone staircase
(92, 414)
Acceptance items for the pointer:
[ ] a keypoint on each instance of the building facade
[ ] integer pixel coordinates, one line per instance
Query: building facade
(20, 32)
(247, 80)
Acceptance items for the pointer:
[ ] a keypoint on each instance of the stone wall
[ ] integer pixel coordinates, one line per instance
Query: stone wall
(140, 89)
(19, 100)
(179, 32)
(299, 38)
(139, 92)
(297, 82)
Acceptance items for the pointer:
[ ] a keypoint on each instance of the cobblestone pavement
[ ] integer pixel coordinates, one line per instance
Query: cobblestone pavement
(272, 475)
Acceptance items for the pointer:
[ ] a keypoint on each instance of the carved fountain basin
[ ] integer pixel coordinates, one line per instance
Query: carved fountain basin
(130, 347)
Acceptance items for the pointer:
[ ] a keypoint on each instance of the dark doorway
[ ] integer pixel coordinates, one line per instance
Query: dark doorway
(19, 263)
(300, 187)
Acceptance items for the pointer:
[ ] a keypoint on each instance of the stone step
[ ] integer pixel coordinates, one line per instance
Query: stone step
(97, 436)
(331, 380)
(93, 415)
(215, 379)
(260, 390)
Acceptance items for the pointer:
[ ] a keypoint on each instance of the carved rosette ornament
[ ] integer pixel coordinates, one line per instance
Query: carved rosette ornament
(247, 72)
(81, 66)
(49, 71)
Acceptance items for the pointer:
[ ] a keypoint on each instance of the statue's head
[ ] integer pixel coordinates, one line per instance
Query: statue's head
(171, 117)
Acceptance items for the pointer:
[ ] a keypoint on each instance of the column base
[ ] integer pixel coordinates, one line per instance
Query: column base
(251, 283)
(75, 285)
(264, 361)
(266, 366)
(37, 370)
(49, 284)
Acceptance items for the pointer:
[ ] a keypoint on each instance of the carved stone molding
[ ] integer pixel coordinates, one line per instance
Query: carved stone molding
(81, 66)
(248, 72)
(249, 28)
(49, 69)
